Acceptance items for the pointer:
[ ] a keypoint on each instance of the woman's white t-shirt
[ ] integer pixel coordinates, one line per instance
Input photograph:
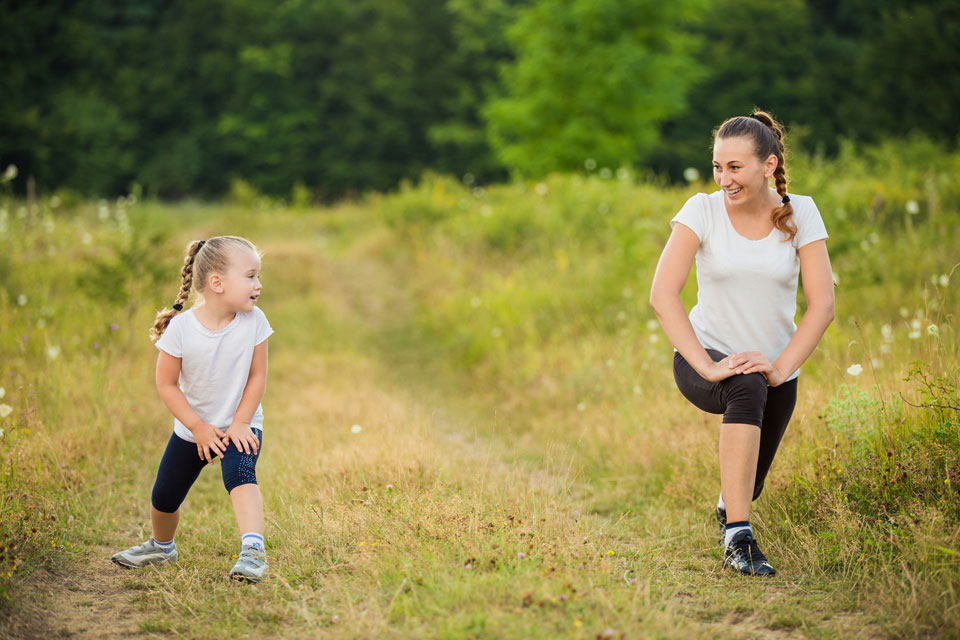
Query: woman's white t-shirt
(746, 289)
(215, 365)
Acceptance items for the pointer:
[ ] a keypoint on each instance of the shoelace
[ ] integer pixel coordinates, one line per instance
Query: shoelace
(252, 557)
(755, 553)
(743, 550)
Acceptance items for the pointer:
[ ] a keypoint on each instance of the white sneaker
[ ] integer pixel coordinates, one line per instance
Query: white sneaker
(147, 553)
(251, 565)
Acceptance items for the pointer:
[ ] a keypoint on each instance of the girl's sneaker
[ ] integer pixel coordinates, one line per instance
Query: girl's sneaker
(147, 553)
(251, 565)
(744, 556)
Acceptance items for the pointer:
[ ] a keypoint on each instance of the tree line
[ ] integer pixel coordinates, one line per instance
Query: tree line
(342, 97)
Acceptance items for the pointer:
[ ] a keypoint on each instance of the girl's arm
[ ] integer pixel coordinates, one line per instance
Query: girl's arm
(206, 435)
(239, 430)
(673, 269)
(818, 290)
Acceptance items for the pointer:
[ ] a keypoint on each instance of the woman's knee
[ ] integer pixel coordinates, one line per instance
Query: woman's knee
(746, 399)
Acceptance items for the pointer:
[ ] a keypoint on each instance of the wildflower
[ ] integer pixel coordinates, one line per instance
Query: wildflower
(563, 597)
(10, 173)
(933, 329)
(913, 335)
(541, 189)
(389, 487)
(875, 363)
(611, 553)
(5, 410)
(912, 207)
(468, 566)
(3, 392)
(915, 324)
(855, 369)
(609, 633)
(581, 406)
(114, 326)
(356, 429)
(496, 332)
(654, 338)
(21, 299)
(652, 325)
(521, 555)
(589, 164)
(887, 332)
(1, 433)
(690, 174)
(944, 279)
(904, 312)
(53, 351)
(884, 348)
(578, 623)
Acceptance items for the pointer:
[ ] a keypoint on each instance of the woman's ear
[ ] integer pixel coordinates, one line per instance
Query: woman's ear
(770, 166)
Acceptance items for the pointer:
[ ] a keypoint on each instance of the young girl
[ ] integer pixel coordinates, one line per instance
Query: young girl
(739, 352)
(211, 373)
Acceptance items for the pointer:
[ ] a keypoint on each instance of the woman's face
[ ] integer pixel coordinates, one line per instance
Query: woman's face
(739, 172)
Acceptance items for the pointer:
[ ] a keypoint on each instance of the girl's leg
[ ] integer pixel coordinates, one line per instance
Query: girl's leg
(780, 404)
(240, 481)
(164, 524)
(248, 508)
(179, 469)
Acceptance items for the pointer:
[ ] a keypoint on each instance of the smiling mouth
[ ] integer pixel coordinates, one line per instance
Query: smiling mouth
(733, 192)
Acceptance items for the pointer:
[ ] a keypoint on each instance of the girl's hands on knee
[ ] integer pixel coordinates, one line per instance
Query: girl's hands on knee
(755, 362)
(242, 436)
(209, 443)
(719, 370)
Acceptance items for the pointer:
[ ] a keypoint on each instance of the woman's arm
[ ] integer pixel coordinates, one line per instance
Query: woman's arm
(673, 269)
(818, 290)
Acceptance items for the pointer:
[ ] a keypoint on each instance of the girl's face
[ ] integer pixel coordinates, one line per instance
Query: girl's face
(240, 286)
(739, 172)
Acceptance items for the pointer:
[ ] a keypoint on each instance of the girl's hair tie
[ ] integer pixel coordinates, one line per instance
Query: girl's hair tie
(178, 307)
(200, 246)
(785, 200)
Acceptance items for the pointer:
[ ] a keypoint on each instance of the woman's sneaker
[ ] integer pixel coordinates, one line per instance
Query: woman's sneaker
(251, 565)
(743, 555)
(147, 553)
(722, 519)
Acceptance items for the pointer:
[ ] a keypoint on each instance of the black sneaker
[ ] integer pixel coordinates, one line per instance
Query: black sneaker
(744, 556)
(722, 519)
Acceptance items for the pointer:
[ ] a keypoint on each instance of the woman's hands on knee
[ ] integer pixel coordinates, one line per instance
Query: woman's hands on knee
(718, 371)
(755, 362)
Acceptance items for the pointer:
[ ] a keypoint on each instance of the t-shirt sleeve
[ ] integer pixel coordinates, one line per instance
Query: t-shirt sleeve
(810, 227)
(264, 330)
(693, 214)
(172, 339)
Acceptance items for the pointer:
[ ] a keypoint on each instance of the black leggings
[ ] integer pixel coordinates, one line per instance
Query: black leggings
(742, 399)
(181, 465)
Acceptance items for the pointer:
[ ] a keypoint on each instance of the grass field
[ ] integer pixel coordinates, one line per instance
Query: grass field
(525, 467)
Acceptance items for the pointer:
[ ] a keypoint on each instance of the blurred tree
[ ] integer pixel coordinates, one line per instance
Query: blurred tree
(592, 79)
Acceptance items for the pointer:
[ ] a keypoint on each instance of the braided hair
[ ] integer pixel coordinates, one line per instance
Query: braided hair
(767, 135)
(203, 258)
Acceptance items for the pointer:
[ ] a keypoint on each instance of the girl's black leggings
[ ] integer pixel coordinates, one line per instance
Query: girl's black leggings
(742, 399)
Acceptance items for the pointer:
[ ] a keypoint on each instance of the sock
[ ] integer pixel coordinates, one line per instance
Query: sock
(166, 546)
(733, 528)
(254, 539)
(720, 504)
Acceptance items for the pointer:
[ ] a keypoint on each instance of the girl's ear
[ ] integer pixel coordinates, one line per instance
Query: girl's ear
(770, 166)
(215, 283)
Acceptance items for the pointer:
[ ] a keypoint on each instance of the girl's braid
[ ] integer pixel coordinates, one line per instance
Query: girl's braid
(166, 315)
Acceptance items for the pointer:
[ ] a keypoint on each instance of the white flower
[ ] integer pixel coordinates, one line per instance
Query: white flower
(944, 279)
(933, 329)
(654, 338)
(855, 369)
(690, 174)
(53, 351)
(581, 406)
(590, 164)
(904, 312)
(3, 392)
(10, 173)
(636, 389)
(652, 325)
(5, 410)
(912, 207)
(356, 429)
(541, 189)
(1, 433)
(913, 335)
(915, 324)
(875, 363)
(887, 332)
(21, 299)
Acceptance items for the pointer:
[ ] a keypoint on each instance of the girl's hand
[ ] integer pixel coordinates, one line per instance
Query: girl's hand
(208, 442)
(242, 436)
(717, 371)
(755, 362)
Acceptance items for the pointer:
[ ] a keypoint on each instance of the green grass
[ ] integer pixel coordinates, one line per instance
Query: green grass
(515, 398)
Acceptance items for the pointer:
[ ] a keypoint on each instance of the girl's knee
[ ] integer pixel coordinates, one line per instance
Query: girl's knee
(239, 471)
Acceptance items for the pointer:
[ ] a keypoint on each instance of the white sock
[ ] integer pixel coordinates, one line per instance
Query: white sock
(734, 530)
(720, 504)
(166, 546)
(254, 539)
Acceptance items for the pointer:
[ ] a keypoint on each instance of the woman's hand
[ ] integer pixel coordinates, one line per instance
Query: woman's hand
(718, 371)
(209, 443)
(755, 362)
(242, 436)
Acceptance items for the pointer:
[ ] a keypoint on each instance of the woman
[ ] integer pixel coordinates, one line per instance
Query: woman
(739, 352)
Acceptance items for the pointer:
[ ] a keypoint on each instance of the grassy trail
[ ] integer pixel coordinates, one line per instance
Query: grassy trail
(453, 513)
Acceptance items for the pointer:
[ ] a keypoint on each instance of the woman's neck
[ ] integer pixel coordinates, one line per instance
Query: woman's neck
(213, 315)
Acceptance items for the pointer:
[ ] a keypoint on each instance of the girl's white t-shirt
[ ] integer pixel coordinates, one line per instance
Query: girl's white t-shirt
(746, 289)
(215, 365)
